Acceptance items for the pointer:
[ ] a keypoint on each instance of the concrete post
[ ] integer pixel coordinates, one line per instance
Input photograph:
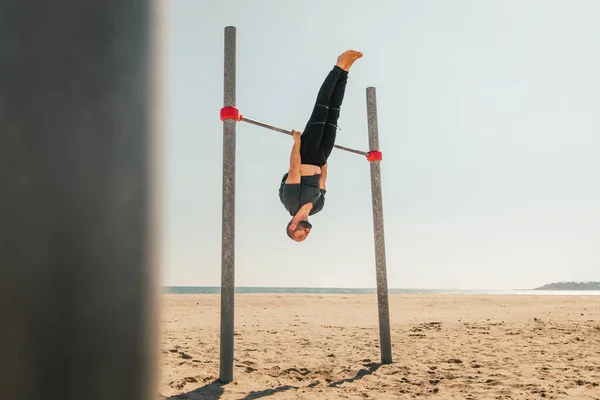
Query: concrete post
(382, 289)
(228, 228)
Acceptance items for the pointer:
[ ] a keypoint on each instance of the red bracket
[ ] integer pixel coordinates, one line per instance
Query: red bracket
(230, 113)
(374, 155)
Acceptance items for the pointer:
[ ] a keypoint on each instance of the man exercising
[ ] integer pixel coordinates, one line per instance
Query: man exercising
(302, 189)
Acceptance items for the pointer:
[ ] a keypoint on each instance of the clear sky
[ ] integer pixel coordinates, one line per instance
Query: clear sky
(489, 122)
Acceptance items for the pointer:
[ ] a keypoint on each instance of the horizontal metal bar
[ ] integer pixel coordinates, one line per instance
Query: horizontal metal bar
(268, 126)
(349, 150)
(289, 132)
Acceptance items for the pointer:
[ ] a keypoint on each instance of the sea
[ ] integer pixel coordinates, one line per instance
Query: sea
(293, 290)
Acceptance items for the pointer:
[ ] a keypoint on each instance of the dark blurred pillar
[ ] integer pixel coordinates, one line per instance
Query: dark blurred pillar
(77, 205)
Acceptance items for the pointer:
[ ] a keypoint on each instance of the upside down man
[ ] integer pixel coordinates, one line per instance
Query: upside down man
(302, 189)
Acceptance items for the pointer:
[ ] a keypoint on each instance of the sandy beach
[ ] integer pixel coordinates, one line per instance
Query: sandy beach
(326, 347)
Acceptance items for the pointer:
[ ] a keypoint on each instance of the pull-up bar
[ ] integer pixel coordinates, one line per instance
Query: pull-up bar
(230, 115)
(234, 113)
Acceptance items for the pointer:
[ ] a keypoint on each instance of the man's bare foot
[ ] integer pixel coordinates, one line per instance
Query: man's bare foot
(346, 59)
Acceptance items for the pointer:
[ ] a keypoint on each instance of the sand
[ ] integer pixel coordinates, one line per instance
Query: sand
(326, 347)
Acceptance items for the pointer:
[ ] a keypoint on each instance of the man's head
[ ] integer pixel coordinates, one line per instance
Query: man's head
(298, 231)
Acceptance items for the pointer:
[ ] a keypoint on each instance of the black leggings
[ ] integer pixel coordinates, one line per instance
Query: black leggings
(318, 137)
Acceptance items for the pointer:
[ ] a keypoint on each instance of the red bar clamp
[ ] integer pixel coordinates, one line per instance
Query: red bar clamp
(374, 155)
(230, 113)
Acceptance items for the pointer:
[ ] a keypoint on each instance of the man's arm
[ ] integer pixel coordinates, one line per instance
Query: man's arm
(323, 177)
(295, 160)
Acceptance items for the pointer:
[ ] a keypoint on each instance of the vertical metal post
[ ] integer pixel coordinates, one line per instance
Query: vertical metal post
(228, 228)
(78, 285)
(382, 289)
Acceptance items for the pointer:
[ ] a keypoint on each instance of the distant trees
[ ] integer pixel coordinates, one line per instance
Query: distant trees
(571, 286)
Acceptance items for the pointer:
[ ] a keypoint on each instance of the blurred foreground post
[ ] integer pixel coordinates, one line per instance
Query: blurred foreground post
(78, 126)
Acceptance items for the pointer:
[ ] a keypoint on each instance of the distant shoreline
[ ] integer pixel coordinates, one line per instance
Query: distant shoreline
(216, 290)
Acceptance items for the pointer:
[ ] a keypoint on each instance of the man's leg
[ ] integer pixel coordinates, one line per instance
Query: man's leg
(310, 150)
(330, 131)
(335, 104)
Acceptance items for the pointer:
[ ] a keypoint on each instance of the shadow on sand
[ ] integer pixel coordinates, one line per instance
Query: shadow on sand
(214, 390)
(211, 391)
(369, 370)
